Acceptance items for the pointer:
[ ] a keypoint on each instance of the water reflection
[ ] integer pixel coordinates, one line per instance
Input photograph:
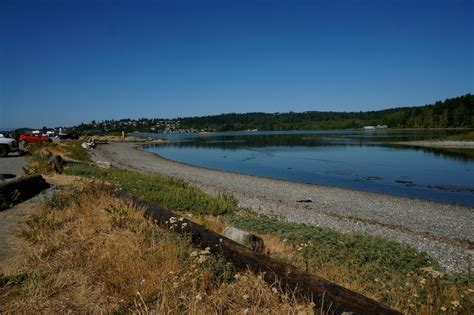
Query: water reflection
(237, 143)
(351, 159)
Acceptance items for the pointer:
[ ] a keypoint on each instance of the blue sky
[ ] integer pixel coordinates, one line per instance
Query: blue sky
(66, 62)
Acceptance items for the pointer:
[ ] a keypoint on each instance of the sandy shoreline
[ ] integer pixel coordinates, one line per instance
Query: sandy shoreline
(439, 144)
(431, 227)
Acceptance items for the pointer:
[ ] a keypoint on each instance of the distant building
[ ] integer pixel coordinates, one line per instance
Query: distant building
(381, 126)
(369, 127)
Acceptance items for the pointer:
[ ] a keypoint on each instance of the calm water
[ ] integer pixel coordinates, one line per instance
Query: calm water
(362, 160)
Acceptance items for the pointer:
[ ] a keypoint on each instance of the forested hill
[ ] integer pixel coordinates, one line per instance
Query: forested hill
(454, 112)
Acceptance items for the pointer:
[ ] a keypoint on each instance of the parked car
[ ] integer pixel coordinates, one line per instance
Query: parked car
(64, 136)
(26, 138)
(7, 145)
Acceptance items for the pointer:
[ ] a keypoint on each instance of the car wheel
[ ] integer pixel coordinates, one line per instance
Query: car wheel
(3, 150)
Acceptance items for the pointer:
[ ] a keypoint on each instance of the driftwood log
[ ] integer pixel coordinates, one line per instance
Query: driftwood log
(20, 189)
(330, 296)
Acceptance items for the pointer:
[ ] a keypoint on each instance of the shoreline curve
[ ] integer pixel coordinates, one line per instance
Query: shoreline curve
(441, 230)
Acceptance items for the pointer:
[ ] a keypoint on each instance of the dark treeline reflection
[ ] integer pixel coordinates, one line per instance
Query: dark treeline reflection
(464, 155)
(368, 161)
(234, 141)
(291, 138)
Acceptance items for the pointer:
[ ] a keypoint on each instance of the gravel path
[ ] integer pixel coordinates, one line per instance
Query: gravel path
(434, 228)
(11, 219)
(13, 164)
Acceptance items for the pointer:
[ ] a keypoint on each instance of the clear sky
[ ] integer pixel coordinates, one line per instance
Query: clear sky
(66, 62)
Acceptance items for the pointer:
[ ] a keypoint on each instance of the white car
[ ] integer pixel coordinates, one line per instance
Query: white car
(7, 145)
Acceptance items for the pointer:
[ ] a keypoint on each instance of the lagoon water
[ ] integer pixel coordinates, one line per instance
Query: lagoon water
(362, 160)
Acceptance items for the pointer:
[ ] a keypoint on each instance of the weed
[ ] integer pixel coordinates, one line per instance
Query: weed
(36, 225)
(12, 280)
(58, 201)
(222, 270)
(39, 163)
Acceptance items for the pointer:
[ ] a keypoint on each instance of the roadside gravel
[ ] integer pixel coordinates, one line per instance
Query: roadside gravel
(13, 164)
(434, 228)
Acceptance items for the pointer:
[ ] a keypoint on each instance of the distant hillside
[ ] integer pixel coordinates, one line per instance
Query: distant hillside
(454, 112)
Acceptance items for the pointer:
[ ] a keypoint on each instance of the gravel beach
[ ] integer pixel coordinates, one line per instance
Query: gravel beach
(434, 228)
(439, 144)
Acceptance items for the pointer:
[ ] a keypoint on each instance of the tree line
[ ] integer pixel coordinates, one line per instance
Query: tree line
(451, 113)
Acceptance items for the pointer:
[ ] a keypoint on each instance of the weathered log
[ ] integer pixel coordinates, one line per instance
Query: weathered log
(20, 189)
(335, 298)
(6, 176)
(245, 238)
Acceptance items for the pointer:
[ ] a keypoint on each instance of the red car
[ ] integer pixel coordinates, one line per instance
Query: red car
(32, 138)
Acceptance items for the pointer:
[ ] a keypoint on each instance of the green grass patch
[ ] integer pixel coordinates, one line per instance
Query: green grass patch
(393, 273)
(168, 192)
(365, 253)
(75, 151)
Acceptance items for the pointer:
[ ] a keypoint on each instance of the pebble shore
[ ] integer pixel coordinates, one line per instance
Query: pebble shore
(443, 231)
(448, 144)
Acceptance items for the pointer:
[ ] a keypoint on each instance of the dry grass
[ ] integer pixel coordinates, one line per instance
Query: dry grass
(88, 252)
(211, 222)
(422, 292)
(48, 147)
(182, 285)
(274, 245)
(41, 153)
